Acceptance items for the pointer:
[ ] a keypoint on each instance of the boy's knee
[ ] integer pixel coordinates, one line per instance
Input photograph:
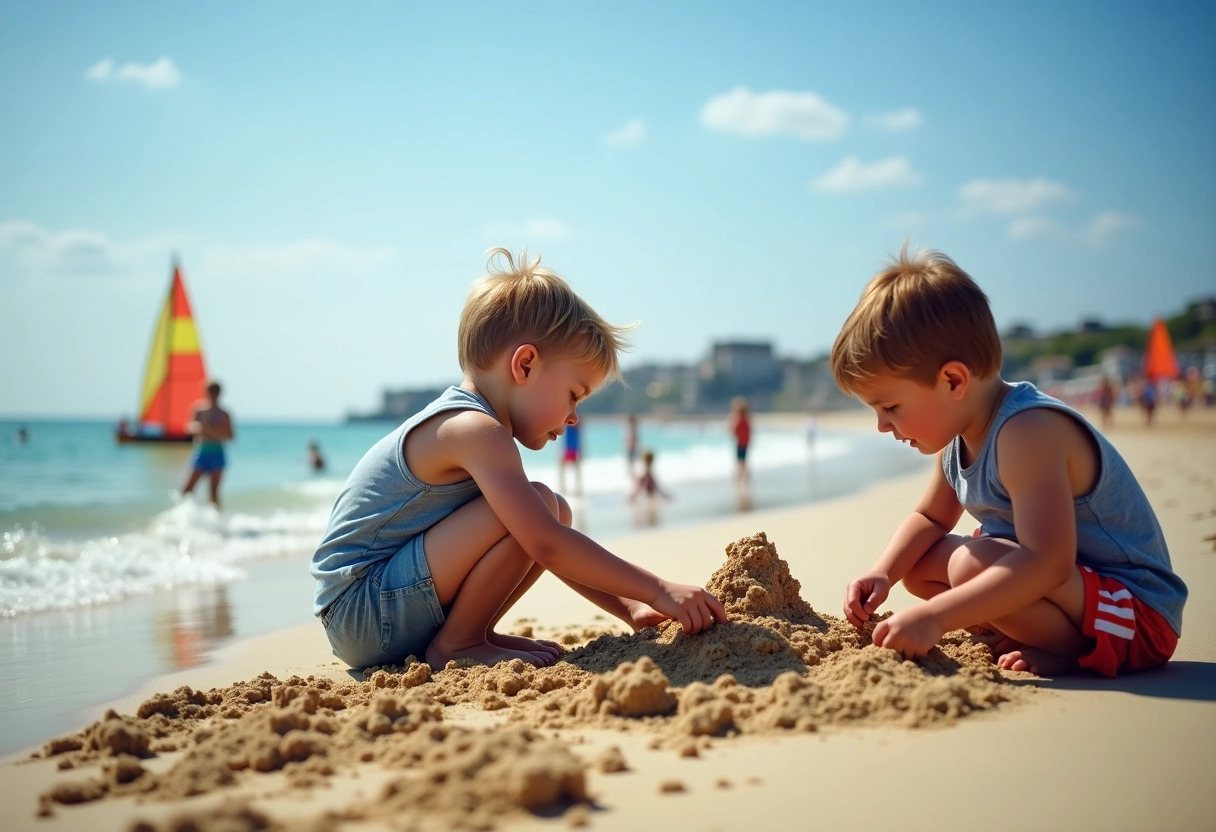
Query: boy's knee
(564, 514)
(975, 555)
(556, 503)
(921, 582)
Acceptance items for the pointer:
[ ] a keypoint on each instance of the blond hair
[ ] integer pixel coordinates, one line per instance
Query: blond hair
(914, 316)
(521, 302)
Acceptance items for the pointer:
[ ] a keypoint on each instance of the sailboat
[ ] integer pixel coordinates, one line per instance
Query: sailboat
(1159, 359)
(175, 374)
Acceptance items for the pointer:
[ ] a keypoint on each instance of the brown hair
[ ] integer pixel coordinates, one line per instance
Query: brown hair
(914, 316)
(523, 302)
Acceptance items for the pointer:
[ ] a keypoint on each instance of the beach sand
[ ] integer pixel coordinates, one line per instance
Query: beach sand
(815, 728)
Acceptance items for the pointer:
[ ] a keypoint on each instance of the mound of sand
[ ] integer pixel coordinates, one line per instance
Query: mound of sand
(777, 665)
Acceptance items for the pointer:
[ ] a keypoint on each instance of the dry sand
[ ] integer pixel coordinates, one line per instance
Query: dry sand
(785, 717)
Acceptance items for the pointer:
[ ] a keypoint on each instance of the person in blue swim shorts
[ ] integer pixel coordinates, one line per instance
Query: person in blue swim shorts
(211, 426)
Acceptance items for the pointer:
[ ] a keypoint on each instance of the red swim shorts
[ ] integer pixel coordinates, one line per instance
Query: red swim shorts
(1130, 635)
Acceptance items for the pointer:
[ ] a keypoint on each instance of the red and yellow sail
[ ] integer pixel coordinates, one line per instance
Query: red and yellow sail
(176, 372)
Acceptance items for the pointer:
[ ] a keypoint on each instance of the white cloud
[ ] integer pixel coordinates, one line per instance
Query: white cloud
(74, 251)
(854, 175)
(36, 252)
(801, 114)
(1097, 232)
(897, 121)
(1010, 196)
(1024, 228)
(293, 260)
(539, 228)
(160, 74)
(631, 133)
(1106, 225)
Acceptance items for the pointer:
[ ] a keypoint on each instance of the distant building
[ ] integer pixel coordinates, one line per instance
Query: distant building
(1048, 371)
(746, 364)
(1203, 309)
(399, 405)
(1119, 363)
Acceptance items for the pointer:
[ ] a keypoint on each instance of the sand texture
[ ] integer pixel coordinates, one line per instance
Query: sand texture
(786, 708)
(777, 665)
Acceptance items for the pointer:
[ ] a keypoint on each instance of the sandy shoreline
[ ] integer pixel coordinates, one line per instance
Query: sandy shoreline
(1069, 753)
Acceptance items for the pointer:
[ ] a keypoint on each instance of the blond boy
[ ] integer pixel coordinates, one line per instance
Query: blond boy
(438, 532)
(1069, 567)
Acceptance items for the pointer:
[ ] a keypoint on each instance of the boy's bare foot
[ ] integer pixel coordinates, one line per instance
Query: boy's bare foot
(997, 642)
(1032, 660)
(438, 655)
(550, 651)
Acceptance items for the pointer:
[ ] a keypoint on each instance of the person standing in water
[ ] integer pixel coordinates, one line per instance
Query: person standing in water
(211, 427)
(315, 460)
(631, 444)
(572, 456)
(740, 427)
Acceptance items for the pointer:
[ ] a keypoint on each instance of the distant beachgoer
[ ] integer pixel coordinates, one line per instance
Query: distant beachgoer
(211, 427)
(631, 444)
(1106, 402)
(315, 460)
(1070, 568)
(21, 435)
(810, 428)
(1190, 388)
(740, 427)
(647, 486)
(572, 456)
(1148, 400)
(531, 351)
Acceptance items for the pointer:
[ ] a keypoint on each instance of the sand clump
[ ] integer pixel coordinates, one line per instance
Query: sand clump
(777, 665)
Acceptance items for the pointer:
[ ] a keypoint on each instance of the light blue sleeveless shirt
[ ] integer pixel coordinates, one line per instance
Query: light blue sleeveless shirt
(1117, 532)
(383, 505)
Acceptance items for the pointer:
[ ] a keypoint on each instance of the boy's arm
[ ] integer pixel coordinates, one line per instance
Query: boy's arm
(934, 516)
(634, 613)
(1033, 453)
(485, 450)
(1034, 450)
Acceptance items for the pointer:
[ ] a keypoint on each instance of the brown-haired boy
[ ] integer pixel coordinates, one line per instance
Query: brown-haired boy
(1069, 567)
(438, 532)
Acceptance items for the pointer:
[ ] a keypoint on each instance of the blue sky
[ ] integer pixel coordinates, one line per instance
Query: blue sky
(332, 174)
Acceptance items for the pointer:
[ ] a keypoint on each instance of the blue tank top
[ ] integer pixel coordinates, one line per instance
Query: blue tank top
(1117, 532)
(383, 505)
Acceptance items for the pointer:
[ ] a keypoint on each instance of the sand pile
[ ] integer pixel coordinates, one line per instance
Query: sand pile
(776, 666)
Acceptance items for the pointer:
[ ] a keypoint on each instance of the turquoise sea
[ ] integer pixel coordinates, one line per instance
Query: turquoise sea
(108, 578)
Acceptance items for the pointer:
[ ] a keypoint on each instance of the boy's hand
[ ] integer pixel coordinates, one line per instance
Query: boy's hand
(911, 632)
(863, 596)
(642, 615)
(692, 606)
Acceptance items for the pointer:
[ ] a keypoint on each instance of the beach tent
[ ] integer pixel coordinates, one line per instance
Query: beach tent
(1159, 360)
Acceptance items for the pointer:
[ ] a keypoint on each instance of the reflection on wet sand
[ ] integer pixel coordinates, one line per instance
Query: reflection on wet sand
(200, 620)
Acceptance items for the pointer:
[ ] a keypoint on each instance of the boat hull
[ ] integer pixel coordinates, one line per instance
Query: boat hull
(125, 437)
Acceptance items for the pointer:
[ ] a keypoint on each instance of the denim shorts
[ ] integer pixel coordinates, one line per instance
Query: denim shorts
(389, 613)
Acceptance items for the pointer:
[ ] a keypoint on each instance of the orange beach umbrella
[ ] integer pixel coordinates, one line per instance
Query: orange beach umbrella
(1159, 360)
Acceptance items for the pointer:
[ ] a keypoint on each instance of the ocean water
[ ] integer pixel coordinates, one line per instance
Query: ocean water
(107, 577)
